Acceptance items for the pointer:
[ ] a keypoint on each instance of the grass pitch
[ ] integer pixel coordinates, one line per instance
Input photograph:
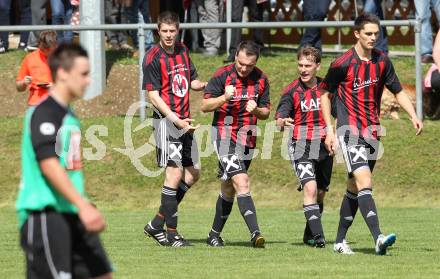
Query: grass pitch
(415, 254)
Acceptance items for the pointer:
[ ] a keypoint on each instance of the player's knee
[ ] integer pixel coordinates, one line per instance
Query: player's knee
(310, 191)
(363, 182)
(241, 184)
(229, 193)
(173, 175)
(193, 177)
(321, 195)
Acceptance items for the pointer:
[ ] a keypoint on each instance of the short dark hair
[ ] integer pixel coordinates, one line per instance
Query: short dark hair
(47, 38)
(309, 51)
(168, 17)
(249, 47)
(64, 56)
(361, 20)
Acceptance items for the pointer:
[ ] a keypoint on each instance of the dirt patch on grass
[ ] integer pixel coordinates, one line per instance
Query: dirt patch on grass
(122, 90)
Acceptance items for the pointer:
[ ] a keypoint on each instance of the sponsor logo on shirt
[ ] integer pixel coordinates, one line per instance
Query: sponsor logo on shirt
(47, 129)
(311, 105)
(246, 96)
(358, 83)
(180, 85)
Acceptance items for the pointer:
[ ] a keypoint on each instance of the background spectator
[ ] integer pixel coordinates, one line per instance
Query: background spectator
(314, 10)
(256, 9)
(423, 12)
(132, 9)
(38, 11)
(34, 71)
(25, 19)
(114, 15)
(62, 14)
(375, 7)
(208, 11)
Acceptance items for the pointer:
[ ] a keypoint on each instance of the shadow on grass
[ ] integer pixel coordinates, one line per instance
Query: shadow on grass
(327, 243)
(370, 251)
(236, 243)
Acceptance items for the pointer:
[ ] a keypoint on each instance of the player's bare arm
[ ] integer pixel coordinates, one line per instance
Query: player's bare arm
(213, 104)
(57, 176)
(158, 103)
(406, 104)
(284, 122)
(198, 85)
(330, 140)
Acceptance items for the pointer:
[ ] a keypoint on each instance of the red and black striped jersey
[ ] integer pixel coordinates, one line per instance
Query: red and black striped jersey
(303, 105)
(358, 86)
(171, 75)
(231, 119)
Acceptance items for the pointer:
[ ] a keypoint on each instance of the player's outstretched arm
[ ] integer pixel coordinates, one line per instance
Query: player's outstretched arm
(330, 140)
(198, 85)
(406, 104)
(284, 122)
(57, 176)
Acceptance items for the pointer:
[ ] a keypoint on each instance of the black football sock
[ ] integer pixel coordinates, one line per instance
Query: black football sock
(347, 213)
(307, 232)
(181, 191)
(158, 220)
(313, 217)
(247, 210)
(321, 207)
(222, 210)
(169, 206)
(369, 211)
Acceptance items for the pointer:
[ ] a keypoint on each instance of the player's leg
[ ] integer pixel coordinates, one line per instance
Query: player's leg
(46, 241)
(247, 209)
(320, 200)
(89, 257)
(190, 163)
(312, 214)
(367, 206)
(223, 209)
(349, 206)
(168, 209)
(169, 205)
(190, 176)
(348, 210)
(191, 172)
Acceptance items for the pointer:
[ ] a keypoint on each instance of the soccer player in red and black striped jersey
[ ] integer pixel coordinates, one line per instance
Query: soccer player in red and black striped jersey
(356, 80)
(300, 108)
(168, 76)
(239, 96)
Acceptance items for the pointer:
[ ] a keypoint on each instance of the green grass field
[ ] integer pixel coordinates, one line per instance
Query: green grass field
(414, 255)
(406, 182)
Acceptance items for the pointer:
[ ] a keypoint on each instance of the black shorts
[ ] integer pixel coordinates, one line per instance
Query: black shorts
(233, 158)
(311, 162)
(57, 246)
(173, 148)
(358, 153)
